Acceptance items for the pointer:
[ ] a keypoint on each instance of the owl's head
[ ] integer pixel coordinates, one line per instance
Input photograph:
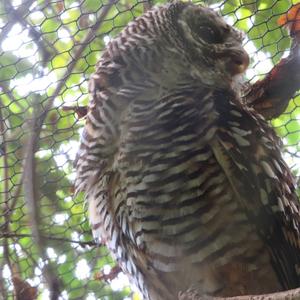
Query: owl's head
(213, 46)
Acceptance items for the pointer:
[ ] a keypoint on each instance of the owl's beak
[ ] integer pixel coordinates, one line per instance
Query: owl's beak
(238, 62)
(235, 59)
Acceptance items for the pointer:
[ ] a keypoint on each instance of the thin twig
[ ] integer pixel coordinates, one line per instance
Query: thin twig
(53, 238)
(81, 111)
(16, 195)
(10, 95)
(114, 272)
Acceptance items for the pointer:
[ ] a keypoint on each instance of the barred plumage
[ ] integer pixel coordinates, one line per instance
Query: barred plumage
(185, 183)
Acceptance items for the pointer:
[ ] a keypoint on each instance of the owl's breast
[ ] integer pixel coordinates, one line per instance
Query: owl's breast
(176, 203)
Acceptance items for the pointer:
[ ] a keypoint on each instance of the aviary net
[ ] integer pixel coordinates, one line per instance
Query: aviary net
(48, 49)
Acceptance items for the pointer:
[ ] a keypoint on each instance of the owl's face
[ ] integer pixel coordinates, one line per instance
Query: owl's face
(215, 47)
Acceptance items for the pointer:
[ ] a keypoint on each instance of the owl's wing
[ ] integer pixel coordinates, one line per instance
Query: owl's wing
(119, 80)
(249, 153)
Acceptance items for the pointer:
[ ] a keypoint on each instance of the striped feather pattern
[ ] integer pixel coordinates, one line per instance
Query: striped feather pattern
(185, 184)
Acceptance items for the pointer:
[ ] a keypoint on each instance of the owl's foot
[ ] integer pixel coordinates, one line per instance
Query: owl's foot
(193, 294)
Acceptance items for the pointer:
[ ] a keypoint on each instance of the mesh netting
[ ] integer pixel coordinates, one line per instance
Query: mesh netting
(48, 50)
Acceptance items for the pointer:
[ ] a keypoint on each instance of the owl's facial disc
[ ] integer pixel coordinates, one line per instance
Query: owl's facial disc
(214, 41)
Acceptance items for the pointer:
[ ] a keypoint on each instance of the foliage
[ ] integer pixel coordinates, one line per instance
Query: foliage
(39, 40)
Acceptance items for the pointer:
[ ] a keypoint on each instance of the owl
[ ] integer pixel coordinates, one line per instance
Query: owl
(184, 179)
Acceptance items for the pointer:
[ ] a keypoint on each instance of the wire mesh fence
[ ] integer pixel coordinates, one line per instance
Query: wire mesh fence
(48, 49)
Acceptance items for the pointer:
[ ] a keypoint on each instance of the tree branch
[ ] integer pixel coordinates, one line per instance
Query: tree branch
(31, 197)
(37, 37)
(285, 295)
(271, 95)
(3, 292)
(30, 187)
(22, 10)
(5, 207)
(89, 37)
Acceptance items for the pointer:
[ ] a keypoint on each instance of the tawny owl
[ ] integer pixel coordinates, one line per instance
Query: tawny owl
(184, 181)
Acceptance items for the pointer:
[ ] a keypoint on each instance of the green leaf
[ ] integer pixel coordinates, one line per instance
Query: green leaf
(49, 26)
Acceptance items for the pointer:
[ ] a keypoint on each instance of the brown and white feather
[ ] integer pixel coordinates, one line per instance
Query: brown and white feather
(186, 184)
